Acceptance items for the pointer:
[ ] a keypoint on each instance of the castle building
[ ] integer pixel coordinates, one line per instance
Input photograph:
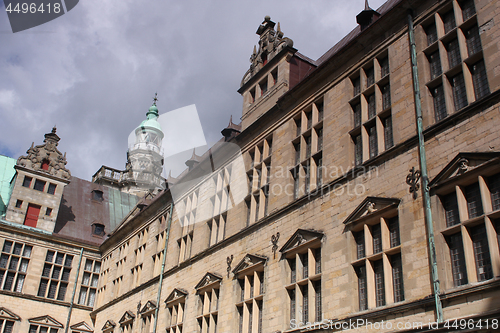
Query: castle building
(364, 195)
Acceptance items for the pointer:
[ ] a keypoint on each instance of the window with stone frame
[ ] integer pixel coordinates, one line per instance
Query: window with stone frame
(208, 292)
(89, 283)
(147, 316)
(221, 201)
(371, 133)
(176, 305)
(27, 181)
(14, 261)
(44, 324)
(456, 75)
(308, 149)
(302, 252)
(126, 322)
(7, 320)
(376, 260)
(109, 327)
(55, 275)
(468, 217)
(160, 240)
(259, 178)
(187, 218)
(249, 273)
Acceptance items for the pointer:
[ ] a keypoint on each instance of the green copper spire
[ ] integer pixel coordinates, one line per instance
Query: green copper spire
(153, 110)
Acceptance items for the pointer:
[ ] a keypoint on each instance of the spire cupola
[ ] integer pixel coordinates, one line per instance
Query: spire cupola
(367, 16)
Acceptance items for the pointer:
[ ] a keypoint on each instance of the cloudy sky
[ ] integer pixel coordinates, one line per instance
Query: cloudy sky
(93, 72)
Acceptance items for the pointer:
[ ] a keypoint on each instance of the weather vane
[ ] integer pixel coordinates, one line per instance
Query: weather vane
(155, 99)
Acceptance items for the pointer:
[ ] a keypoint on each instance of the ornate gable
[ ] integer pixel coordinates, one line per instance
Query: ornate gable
(46, 321)
(148, 308)
(209, 280)
(109, 325)
(270, 44)
(176, 295)
(249, 261)
(127, 317)
(7, 314)
(369, 206)
(83, 327)
(46, 158)
(300, 238)
(463, 164)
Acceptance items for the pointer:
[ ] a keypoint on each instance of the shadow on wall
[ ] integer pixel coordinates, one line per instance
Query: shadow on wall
(64, 216)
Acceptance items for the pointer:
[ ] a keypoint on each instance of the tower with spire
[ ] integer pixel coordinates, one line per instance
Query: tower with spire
(144, 166)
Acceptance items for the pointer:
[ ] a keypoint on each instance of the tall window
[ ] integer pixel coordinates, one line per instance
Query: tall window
(439, 103)
(377, 256)
(208, 290)
(6, 326)
(39, 185)
(459, 93)
(259, 177)
(479, 79)
(388, 138)
(14, 262)
(435, 65)
(469, 227)
(303, 282)
(176, 305)
(55, 275)
(448, 21)
(90, 280)
(453, 53)
(250, 277)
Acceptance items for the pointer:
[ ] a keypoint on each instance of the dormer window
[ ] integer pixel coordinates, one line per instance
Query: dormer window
(27, 181)
(45, 164)
(39, 185)
(98, 229)
(263, 87)
(97, 195)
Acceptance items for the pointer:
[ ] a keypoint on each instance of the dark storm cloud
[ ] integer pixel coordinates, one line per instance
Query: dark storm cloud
(93, 72)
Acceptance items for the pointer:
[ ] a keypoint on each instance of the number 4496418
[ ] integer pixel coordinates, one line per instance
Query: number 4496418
(471, 324)
(34, 8)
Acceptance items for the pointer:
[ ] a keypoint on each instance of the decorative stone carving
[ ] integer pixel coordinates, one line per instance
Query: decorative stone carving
(412, 179)
(46, 158)
(463, 166)
(274, 240)
(229, 260)
(370, 207)
(270, 44)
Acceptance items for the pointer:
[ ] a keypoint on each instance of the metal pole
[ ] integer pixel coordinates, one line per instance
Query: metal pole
(423, 171)
(158, 298)
(74, 291)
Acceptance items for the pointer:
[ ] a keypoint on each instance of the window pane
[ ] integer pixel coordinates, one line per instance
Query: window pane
(370, 77)
(43, 288)
(372, 140)
(362, 292)
(431, 34)
(33, 328)
(56, 272)
(449, 21)
(371, 106)
(481, 253)
(473, 197)
(397, 278)
(388, 136)
(52, 188)
(359, 237)
(450, 206)
(384, 66)
(319, 310)
(457, 260)
(305, 303)
(59, 258)
(494, 186)
(9, 327)
(439, 103)
(305, 265)
(91, 297)
(52, 290)
(24, 265)
(50, 256)
(356, 86)
(65, 274)
(27, 251)
(83, 296)
(68, 261)
(358, 150)
(356, 109)
(46, 270)
(473, 40)
(18, 248)
(39, 185)
(19, 283)
(386, 97)
(394, 231)
(479, 80)
(13, 263)
(378, 270)
(88, 265)
(435, 65)
(27, 181)
(459, 93)
(62, 291)
(453, 53)
(7, 246)
(292, 303)
(4, 259)
(317, 257)
(468, 9)
(9, 281)
(293, 270)
(377, 238)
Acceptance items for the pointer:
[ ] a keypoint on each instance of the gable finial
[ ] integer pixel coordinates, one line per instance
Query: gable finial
(155, 99)
(367, 6)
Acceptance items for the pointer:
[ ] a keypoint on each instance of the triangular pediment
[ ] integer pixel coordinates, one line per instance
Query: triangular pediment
(369, 206)
(209, 279)
(301, 237)
(176, 294)
(46, 320)
(109, 325)
(7, 314)
(148, 307)
(248, 261)
(127, 316)
(463, 164)
(81, 326)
